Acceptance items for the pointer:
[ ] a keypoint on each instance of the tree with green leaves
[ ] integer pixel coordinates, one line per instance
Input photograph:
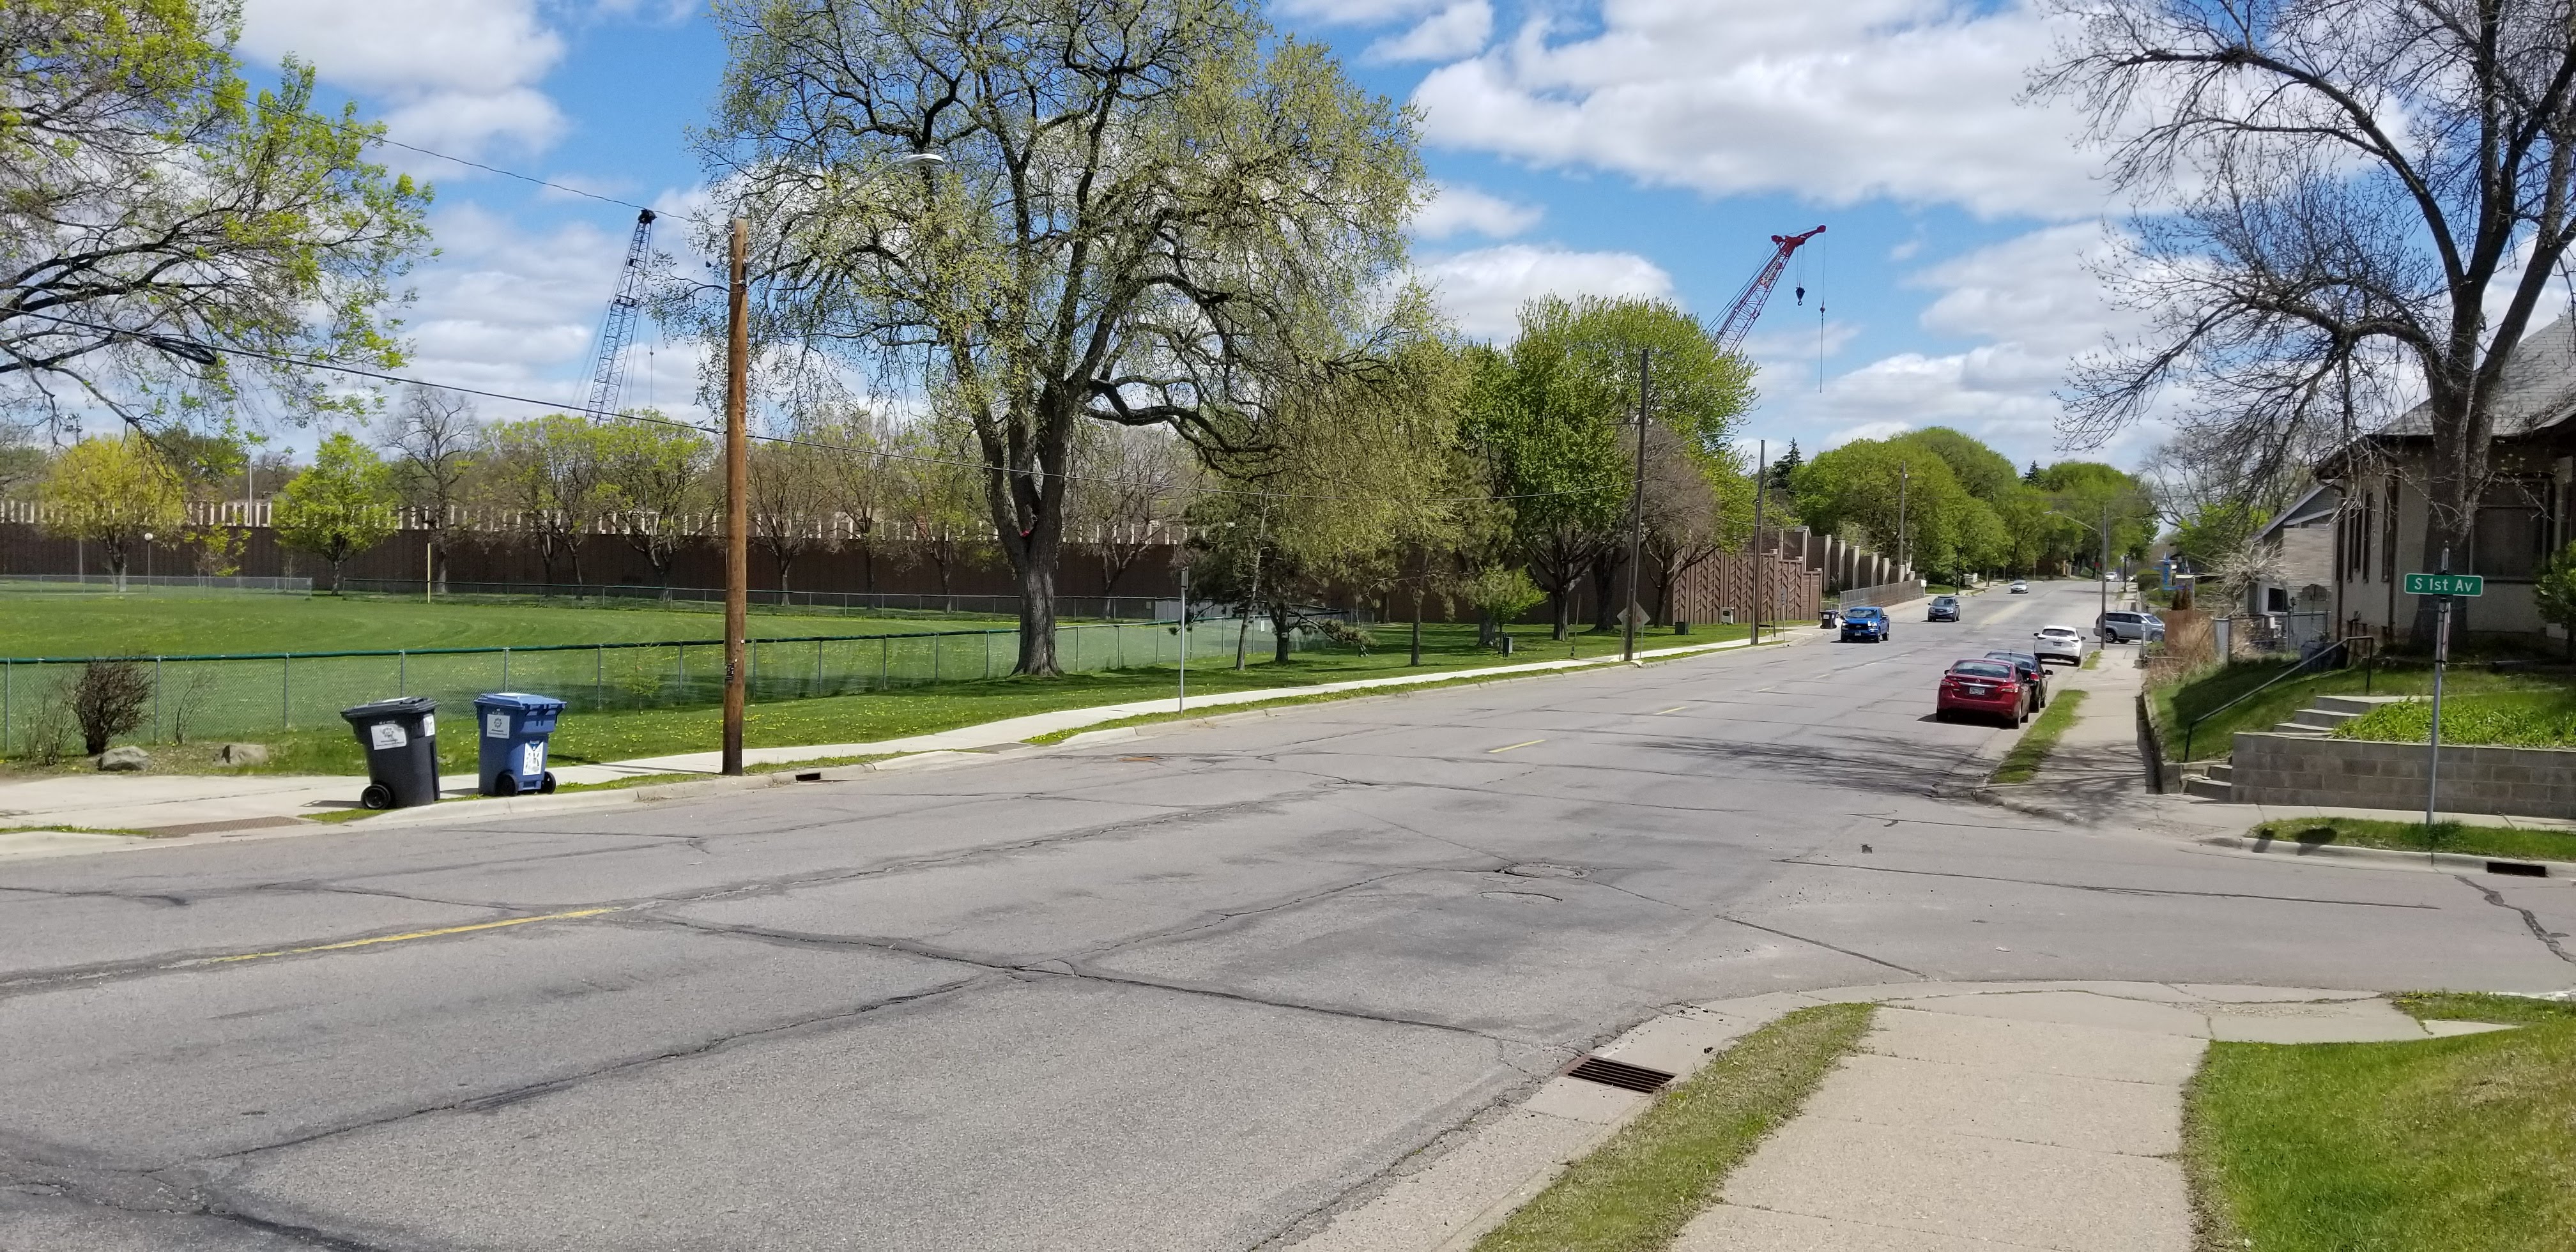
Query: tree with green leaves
(656, 489)
(111, 491)
(341, 506)
(1553, 418)
(1143, 212)
(2553, 593)
(2087, 492)
(551, 474)
(1369, 472)
(166, 231)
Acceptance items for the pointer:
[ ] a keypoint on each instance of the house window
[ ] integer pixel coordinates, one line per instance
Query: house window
(2359, 521)
(2276, 599)
(2512, 531)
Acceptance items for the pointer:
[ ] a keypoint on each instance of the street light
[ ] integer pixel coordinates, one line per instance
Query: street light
(147, 558)
(2102, 572)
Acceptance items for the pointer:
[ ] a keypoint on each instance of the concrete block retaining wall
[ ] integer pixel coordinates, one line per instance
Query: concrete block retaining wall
(2360, 773)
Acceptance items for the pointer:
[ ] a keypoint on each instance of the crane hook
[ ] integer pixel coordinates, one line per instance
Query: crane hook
(1802, 296)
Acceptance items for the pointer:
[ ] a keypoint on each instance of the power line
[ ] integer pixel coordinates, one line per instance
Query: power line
(571, 410)
(531, 178)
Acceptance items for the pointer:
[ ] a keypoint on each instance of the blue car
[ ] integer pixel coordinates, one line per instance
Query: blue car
(1865, 625)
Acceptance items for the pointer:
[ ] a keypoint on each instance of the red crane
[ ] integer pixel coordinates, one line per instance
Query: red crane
(1748, 302)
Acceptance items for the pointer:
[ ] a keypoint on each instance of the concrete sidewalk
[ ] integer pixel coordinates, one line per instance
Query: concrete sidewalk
(2013, 1119)
(1990, 1116)
(202, 806)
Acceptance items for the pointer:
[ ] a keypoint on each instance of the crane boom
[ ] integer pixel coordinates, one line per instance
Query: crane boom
(617, 330)
(1748, 302)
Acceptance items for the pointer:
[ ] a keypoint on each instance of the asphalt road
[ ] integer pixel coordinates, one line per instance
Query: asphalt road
(1182, 993)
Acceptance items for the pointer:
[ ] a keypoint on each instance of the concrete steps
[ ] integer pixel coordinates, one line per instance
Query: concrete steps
(2216, 781)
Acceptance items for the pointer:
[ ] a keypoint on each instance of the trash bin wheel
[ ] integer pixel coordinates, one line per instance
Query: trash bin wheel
(546, 787)
(376, 796)
(506, 785)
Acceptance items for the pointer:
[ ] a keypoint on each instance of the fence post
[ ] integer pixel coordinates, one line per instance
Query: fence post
(285, 691)
(599, 677)
(402, 673)
(934, 658)
(885, 660)
(505, 669)
(156, 699)
(818, 666)
(988, 658)
(682, 650)
(8, 692)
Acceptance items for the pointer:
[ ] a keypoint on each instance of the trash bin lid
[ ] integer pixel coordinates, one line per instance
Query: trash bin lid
(398, 706)
(521, 701)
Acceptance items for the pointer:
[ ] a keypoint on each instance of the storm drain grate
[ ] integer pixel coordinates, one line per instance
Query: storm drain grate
(2523, 868)
(811, 775)
(1621, 1074)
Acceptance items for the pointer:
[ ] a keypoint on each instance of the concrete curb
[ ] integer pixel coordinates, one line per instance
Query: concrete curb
(2391, 856)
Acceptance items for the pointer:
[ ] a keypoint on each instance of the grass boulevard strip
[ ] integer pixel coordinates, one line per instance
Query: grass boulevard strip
(2466, 1144)
(2023, 761)
(1636, 1192)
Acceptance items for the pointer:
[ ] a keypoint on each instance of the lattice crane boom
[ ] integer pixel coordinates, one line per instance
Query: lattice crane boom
(1748, 304)
(617, 330)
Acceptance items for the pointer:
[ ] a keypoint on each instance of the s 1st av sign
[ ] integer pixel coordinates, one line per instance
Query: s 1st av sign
(2446, 585)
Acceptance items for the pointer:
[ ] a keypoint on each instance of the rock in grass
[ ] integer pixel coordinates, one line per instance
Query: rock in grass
(124, 760)
(242, 754)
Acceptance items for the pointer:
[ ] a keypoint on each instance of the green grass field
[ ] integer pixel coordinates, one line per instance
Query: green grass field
(168, 621)
(320, 743)
(2459, 837)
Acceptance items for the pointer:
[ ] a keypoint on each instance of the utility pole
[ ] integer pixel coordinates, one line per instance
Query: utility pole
(737, 621)
(1637, 510)
(1903, 566)
(2103, 575)
(1761, 574)
(2441, 661)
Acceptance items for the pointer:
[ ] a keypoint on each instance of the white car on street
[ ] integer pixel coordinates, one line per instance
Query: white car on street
(2020, 588)
(2058, 643)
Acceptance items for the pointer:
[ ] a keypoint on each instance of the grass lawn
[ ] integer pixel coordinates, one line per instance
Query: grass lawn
(175, 621)
(2463, 1144)
(2460, 837)
(1636, 1192)
(626, 734)
(2211, 689)
(2514, 719)
(2037, 742)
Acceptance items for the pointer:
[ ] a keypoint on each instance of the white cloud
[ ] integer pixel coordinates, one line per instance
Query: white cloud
(1482, 291)
(2026, 306)
(1455, 31)
(452, 74)
(1907, 99)
(1457, 208)
(1355, 12)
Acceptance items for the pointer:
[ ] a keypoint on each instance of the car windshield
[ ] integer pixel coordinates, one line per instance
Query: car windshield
(2017, 658)
(1861, 613)
(1942, 602)
(1981, 669)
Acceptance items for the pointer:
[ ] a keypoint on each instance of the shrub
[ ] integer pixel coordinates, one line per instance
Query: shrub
(108, 700)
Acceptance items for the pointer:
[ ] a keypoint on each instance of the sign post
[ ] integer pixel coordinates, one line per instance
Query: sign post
(2448, 587)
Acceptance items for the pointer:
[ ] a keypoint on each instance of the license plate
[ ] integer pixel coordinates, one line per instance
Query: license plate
(1980, 691)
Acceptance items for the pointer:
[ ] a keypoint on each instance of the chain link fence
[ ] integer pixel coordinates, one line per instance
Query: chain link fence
(239, 696)
(1105, 607)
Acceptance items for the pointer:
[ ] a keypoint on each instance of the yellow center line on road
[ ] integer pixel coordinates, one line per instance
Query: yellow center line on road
(409, 935)
(1510, 746)
(1675, 709)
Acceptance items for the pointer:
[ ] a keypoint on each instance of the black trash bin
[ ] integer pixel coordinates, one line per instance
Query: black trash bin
(401, 741)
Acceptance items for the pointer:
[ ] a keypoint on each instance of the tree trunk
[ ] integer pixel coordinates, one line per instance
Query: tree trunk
(1560, 610)
(1606, 586)
(1037, 618)
(1279, 633)
(1417, 630)
(2459, 461)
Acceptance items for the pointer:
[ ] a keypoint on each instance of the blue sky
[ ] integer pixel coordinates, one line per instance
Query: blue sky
(1611, 146)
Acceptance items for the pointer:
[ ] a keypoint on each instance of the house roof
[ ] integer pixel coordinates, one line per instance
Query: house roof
(2316, 504)
(2537, 391)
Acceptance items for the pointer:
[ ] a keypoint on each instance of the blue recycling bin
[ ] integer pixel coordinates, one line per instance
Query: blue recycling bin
(514, 728)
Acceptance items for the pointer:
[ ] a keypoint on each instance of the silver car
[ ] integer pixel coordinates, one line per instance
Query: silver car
(2120, 625)
(2058, 643)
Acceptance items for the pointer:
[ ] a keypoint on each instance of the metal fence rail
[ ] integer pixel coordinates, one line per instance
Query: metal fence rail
(57, 582)
(1132, 608)
(236, 695)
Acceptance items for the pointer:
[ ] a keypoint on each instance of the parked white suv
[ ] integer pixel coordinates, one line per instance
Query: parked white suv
(2135, 627)
(2058, 643)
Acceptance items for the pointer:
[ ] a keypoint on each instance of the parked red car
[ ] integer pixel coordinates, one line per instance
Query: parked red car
(1987, 688)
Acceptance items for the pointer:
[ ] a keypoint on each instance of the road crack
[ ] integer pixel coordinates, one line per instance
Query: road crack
(2530, 921)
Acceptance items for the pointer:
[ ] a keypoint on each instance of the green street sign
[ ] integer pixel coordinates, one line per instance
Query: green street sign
(2446, 585)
